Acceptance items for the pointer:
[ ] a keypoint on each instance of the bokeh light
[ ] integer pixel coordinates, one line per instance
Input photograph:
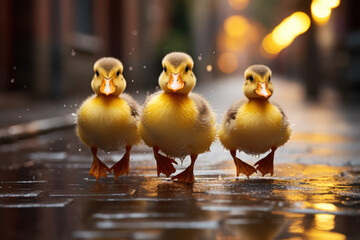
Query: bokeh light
(321, 10)
(236, 26)
(228, 62)
(285, 33)
(239, 4)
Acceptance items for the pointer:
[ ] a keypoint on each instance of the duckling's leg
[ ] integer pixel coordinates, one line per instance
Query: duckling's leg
(266, 165)
(241, 166)
(122, 166)
(187, 176)
(164, 164)
(98, 168)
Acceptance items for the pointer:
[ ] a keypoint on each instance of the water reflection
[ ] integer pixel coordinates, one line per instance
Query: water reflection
(256, 225)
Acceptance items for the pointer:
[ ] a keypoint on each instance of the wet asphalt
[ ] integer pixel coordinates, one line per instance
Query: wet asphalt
(47, 193)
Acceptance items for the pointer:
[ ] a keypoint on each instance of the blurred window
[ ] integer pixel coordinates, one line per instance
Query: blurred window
(83, 16)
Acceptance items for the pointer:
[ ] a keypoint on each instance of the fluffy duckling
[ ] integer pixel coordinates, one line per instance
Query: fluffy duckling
(109, 118)
(175, 121)
(255, 126)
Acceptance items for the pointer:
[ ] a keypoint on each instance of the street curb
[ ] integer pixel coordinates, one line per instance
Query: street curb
(26, 130)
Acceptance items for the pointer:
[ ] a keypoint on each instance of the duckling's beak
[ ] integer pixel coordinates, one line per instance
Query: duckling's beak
(107, 86)
(263, 90)
(175, 82)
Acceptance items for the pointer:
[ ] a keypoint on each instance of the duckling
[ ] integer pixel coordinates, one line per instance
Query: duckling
(109, 118)
(255, 126)
(176, 121)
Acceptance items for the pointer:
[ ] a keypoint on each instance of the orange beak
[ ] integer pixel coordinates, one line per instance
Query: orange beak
(107, 86)
(175, 83)
(263, 90)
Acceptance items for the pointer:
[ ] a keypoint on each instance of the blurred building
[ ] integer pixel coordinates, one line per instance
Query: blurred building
(48, 47)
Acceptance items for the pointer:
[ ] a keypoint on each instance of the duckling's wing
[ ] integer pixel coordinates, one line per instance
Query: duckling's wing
(134, 106)
(285, 121)
(206, 113)
(232, 111)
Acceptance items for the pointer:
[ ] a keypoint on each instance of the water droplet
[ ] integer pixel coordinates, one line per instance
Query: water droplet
(132, 80)
(137, 91)
(209, 68)
(144, 67)
(134, 32)
(75, 104)
(60, 139)
(73, 53)
(73, 114)
(79, 149)
(28, 109)
(213, 52)
(130, 53)
(19, 116)
(14, 67)
(12, 80)
(147, 93)
(131, 68)
(64, 105)
(199, 57)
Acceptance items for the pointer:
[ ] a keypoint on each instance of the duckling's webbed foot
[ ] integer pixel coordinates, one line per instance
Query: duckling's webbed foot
(266, 165)
(187, 176)
(241, 166)
(122, 166)
(98, 168)
(164, 164)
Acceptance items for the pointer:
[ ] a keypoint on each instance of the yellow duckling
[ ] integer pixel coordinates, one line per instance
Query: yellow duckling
(109, 118)
(175, 121)
(255, 126)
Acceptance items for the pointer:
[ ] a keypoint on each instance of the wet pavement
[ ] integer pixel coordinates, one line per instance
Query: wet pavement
(46, 192)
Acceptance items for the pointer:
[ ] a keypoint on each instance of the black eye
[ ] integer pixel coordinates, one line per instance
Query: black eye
(165, 69)
(186, 68)
(118, 73)
(269, 78)
(251, 78)
(97, 73)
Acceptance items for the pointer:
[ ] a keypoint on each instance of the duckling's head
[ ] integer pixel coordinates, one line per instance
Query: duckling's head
(177, 75)
(257, 82)
(108, 78)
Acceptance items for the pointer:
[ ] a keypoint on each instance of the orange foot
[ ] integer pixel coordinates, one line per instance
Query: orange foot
(187, 176)
(122, 166)
(164, 164)
(266, 165)
(98, 168)
(241, 166)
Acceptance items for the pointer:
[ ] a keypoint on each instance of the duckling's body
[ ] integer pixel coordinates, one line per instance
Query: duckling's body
(108, 122)
(174, 123)
(177, 122)
(255, 126)
(108, 119)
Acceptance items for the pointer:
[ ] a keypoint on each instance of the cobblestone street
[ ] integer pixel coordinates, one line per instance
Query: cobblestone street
(46, 191)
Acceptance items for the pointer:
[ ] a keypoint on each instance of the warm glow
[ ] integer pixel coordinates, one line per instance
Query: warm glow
(227, 62)
(239, 4)
(236, 26)
(325, 222)
(285, 33)
(321, 10)
(209, 68)
(325, 206)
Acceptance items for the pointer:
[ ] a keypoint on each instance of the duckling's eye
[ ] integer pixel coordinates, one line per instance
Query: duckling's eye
(186, 68)
(165, 69)
(269, 78)
(251, 78)
(97, 73)
(118, 73)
